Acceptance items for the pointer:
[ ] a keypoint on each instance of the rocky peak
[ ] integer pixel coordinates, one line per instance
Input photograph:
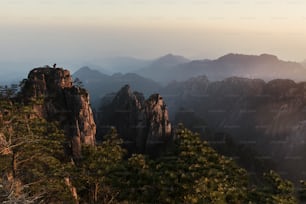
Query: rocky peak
(139, 122)
(157, 117)
(122, 112)
(59, 100)
(49, 79)
(125, 98)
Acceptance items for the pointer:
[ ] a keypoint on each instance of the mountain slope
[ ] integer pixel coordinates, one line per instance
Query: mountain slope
(266, 116)
(99, 84)
(89, 74)
(162, 65)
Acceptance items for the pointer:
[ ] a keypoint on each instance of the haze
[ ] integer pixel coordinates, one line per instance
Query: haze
(38, 32)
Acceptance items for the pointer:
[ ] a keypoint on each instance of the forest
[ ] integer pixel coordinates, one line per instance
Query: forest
(36, 168)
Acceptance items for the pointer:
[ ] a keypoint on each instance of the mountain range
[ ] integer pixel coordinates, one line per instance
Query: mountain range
(251, 106)
(169, 68)
(50, 153)
(160, 68)
(178, 68)
(99, 84)
(121, 64)
(264, 66)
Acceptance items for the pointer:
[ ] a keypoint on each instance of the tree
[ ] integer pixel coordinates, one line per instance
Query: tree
(136, 180)
(198, 174)
(92, 176)
(35, 169)
(34, 155)
(274, 189)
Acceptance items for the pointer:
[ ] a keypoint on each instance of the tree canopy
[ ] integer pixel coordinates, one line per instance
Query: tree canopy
(35, 169)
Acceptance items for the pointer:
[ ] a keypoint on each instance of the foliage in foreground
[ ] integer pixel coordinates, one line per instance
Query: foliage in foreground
(31, 157)
(35, 169)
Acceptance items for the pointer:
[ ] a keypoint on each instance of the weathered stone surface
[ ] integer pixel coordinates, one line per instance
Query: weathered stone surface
(157, 118)
(54, 97)
(139, 122)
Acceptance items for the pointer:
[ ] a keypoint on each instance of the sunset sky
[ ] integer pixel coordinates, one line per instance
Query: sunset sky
(83, 30)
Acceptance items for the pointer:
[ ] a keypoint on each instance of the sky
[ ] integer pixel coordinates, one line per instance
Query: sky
(38, 32)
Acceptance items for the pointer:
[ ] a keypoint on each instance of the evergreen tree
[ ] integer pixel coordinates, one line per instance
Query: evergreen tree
(35, 169)
(198, 174)
(92, 176)
(34, 160)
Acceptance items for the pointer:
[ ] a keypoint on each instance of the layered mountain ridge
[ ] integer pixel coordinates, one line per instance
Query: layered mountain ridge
(266, 116)
(99, 84)
(264, 66)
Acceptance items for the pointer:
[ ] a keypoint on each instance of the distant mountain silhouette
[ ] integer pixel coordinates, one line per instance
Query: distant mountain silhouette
(99, 84)
(161, 65)
(87, 73)
(264, 66)
(169, 60)
(97, 67)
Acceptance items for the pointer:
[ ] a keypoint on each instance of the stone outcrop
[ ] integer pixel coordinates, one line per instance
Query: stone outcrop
(139, 122)
(54, 97)
(156, 118)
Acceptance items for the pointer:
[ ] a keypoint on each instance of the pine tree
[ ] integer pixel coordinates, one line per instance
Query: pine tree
(92, 176)
(34, 161)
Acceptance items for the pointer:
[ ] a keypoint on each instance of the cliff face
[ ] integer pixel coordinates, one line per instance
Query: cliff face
(157, 118)
(57, 99)
(139, 122)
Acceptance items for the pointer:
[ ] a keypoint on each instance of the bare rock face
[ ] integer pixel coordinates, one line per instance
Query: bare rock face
(122, 112)
(139, 122)
(156, 115)
(54, 97)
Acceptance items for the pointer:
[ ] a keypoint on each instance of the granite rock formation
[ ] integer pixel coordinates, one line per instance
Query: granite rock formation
(54, 97)
(141, 123)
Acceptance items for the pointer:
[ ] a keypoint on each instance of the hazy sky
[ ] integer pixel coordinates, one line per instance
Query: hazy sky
(81, 30)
